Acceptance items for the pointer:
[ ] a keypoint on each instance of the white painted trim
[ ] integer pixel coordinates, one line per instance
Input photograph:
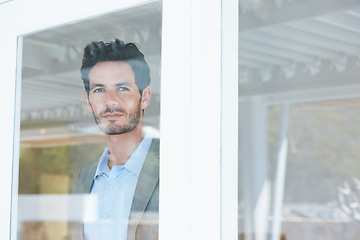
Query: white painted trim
(190, 120)
(16, 154)
(8, 47)
(175, 153)
(229, 120)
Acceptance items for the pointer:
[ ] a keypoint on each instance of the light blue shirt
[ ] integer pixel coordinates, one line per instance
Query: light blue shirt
(108, 209)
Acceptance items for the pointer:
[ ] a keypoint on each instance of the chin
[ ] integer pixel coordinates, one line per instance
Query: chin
(119, 130)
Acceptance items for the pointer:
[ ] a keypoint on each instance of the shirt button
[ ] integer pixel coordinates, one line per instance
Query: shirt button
(106, 216)
(111, 184)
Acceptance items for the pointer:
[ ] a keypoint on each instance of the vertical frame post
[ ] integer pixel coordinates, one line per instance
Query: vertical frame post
(229, 119)
(190, 120)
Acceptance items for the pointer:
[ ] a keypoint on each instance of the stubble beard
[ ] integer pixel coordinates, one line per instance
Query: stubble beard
(132, 121)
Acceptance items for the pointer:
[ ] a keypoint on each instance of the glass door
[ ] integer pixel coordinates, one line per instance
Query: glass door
(54, 131)
(298, 97)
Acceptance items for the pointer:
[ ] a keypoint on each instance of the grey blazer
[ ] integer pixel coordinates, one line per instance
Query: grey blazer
(143, 219)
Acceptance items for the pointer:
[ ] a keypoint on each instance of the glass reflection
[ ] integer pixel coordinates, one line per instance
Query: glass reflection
(58, 133)
(298, 98)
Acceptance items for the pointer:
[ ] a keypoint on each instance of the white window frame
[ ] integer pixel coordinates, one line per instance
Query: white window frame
(198, 197)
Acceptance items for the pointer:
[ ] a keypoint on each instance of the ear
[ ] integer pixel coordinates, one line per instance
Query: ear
(146, 96)
(86, 99)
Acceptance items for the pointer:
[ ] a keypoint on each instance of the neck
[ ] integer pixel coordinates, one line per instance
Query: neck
(122, 146)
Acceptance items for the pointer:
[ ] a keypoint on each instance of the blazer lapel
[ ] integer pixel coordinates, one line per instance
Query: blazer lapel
(148, 179)
(85, 182)
(87, 173)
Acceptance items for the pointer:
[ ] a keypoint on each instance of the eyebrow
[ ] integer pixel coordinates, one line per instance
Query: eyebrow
(123, 84)
(118, 84)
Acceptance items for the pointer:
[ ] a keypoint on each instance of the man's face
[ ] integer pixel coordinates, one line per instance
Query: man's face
(114, 98)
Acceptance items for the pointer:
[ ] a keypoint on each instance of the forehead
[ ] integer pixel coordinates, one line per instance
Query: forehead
(111, 71)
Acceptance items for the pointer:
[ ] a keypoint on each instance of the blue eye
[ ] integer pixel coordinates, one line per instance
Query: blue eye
(123, 89)
(98, 90)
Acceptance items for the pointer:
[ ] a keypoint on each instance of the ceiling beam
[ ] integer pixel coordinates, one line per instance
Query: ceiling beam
(299, 9)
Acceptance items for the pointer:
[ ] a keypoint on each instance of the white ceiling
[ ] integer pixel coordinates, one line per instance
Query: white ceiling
(298, 47)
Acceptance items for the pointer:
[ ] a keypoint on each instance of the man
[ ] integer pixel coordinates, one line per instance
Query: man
(123, 183)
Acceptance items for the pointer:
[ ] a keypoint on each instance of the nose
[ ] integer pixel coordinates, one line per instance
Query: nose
(111, 99)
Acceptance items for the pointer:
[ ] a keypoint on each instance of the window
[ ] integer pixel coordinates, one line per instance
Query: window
(298, 127)
(57, 133)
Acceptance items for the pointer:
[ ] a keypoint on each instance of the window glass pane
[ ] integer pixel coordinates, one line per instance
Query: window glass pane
(298, 121)
(58, 133)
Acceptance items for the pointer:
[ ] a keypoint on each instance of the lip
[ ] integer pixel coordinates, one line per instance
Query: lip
(112, 115)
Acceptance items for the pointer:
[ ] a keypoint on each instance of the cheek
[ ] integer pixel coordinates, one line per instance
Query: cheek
(129, 101)
(95, 101)
(93, 107)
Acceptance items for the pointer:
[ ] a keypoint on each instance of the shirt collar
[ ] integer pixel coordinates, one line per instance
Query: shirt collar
(135, 162)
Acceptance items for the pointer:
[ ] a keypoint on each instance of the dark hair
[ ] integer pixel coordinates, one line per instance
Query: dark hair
(116, 51)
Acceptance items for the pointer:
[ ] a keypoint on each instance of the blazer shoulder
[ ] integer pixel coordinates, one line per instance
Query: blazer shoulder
(153, 154)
